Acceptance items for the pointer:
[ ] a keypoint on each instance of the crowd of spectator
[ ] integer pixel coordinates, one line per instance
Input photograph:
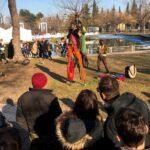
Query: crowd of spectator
(37, 49)
(44, 49)
(41, 124)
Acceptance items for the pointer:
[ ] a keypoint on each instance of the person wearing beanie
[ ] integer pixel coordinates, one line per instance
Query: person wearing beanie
(108, 89)
(81, 128)
(36, 102)
(39, 80)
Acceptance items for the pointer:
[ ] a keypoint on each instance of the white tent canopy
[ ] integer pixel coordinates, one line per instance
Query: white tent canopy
(25, 34)
(2, 33)
(6, 35)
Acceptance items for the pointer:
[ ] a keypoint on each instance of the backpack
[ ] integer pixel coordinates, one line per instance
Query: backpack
(130, 72)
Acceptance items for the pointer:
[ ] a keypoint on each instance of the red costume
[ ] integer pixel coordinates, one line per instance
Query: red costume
(73, 51)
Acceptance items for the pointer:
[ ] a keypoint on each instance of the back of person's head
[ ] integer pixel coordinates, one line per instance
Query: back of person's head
(131, 127)
(109, 87)
(86, 105)
(39, 80)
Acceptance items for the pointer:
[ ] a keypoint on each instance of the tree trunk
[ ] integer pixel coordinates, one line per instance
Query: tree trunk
(18, 57)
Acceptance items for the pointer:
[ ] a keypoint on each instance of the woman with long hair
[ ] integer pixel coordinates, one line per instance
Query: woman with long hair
(80, 128)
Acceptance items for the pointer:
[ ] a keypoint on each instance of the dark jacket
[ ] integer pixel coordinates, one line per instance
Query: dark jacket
(87, 142)
(33, 104)
(10, 138)
(127, 100)
(10, 50)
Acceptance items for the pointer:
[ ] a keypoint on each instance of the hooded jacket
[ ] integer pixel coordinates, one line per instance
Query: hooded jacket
(88, 141)
(33, 104)
(126, 100)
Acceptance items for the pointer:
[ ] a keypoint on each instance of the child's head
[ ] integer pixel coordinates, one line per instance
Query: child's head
(86, 105)
(131, 127)
(108, 88)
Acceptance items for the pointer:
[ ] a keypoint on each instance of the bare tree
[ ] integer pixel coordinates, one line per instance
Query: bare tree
(73, 6)
(55, 24)
(144, 13)
(18, 57)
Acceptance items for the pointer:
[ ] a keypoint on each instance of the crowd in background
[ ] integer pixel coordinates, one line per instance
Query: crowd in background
(42, 48)
(41, 125)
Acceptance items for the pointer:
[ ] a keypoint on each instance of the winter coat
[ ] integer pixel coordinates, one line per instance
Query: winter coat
(87, 142)
(10, 138)
(32, 104)
(126, 100)
(34, 49)
(10, 49)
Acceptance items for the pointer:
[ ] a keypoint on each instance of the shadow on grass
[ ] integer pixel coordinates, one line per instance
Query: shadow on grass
(91, 69)
(55, 76)
(9, 82)
(68, 102)
(145, 71)
(146, 94)
(59, 61)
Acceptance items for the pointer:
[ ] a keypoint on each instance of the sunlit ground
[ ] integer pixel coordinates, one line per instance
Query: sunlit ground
(18, 77)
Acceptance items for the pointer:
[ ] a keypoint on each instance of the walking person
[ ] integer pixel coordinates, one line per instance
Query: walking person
(41, 48)
(45, 48)
(50, 51)
(10, 50)
(34, 49)
(102, 56)
(63, 47)
(26, 50)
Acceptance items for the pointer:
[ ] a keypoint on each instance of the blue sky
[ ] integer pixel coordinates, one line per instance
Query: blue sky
(49, 7)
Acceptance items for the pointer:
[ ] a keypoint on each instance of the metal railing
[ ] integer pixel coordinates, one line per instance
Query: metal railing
(118, 49)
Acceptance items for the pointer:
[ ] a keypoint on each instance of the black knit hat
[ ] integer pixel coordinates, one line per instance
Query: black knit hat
(2, 120)
(74, 130)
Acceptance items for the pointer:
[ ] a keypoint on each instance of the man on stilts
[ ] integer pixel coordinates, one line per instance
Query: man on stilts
(73, 51)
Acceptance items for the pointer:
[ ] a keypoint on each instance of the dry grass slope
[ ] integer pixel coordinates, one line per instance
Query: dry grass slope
(18, 78)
